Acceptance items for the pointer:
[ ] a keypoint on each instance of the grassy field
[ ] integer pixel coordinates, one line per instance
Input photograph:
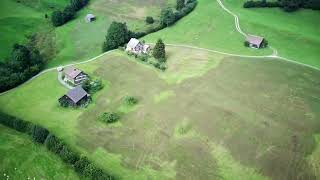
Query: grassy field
(79, 40)
(208, 26)
(21, 159)
(20, 19)
(248, 118)
(295, 35)
(76, 40)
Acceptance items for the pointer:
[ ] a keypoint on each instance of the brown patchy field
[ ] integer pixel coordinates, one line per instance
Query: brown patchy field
(209, 116)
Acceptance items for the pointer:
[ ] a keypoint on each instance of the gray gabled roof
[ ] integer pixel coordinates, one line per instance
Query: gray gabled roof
(257, 40)
(133, 43)
(72, 72)
(76, 94)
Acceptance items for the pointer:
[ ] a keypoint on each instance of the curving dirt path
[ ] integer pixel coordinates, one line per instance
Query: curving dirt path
(238, 28)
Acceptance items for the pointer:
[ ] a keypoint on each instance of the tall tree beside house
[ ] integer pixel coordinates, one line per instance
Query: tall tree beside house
(180, 4)
(117, 35)
(167, 17)
(159, 50)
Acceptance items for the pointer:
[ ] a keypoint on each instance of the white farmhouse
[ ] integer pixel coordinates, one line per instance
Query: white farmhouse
(137, 47)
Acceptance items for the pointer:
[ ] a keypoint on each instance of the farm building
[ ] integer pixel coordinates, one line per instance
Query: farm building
(255, 41)
(74, 76)
(75, 97)
(90, 17)
(137, 47)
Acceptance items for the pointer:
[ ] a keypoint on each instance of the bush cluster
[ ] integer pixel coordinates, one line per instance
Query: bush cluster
(41, 135)
(149, 20)
(130, 100)
(110, 117)
(252, 4)
(92, 86)
(286, 5)
(59, 18)
(25, 61)
(159, 64)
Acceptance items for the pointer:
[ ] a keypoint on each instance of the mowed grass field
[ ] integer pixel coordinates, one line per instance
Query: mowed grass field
(295, 35)
(209, 116)
(21, 158)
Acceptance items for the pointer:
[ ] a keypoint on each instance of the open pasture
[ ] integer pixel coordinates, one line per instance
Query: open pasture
(209, 116)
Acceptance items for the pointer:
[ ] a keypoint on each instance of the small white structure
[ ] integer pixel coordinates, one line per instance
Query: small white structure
(137, 47)
(90, 17)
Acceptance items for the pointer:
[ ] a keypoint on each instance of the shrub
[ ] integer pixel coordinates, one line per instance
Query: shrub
(264, 43)
(246, 44)
(57, 18)
(81, 164)
(68, 155)
(149, 20)
(130, 100)
(110, 117)
(63, 102)
(96, 86)
(39, 134)
(15, 123)
(53, 143)
(167, 17)
(180, 4)
(143, 57)
(86, 85)
(163, 66)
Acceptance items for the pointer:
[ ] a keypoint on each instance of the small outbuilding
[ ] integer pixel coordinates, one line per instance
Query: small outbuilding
(90, 17)
(75, 97)
(137, 47)
(255, 41)
(74, 76)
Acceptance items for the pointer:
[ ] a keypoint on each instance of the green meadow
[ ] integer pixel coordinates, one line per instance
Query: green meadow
(21, 158)
(295, 35)
(247, 117)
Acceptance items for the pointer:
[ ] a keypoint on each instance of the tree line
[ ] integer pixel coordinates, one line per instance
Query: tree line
(24, 62)
(286, 5)
(118, 33)
(41, 135)
(59, 18)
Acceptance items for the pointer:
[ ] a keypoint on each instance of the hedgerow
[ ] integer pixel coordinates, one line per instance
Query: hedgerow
(39, 134)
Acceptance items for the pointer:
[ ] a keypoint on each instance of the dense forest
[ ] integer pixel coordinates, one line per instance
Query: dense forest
(25, 61)
(286, 5)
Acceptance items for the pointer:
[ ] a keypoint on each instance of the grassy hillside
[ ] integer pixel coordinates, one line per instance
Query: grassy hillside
(21, 159)
(295, 35)
(248, 118)
(20, 19)
(79, 40)
(76, 40)
(208, 26)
